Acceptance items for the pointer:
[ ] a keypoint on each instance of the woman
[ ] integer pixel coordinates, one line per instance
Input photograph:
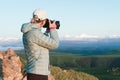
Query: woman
(37, 45)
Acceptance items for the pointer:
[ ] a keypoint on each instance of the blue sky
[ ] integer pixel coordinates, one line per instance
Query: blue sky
(94, 17)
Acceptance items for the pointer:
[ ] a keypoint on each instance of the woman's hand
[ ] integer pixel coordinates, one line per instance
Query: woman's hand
(52, 25)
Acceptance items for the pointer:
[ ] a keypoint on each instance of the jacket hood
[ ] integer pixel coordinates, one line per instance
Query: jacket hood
(28, 26)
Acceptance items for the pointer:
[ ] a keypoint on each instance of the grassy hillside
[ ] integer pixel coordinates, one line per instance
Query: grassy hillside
(60, 74)
(105, 67)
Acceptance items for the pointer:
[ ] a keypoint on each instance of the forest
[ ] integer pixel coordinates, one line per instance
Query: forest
(104, 67)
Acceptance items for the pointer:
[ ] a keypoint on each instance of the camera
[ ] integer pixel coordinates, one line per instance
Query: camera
(47, 24)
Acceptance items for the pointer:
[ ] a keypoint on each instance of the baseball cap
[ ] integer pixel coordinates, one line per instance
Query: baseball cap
(41, 14)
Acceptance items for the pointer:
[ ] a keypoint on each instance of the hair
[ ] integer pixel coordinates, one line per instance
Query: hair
(35, 19)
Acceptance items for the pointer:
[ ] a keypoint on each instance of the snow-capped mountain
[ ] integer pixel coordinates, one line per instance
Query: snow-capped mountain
(14, 43)
(67, 42)
(89, 37)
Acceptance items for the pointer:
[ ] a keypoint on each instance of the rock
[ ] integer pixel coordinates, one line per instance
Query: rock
(1, 55)
(10, 66)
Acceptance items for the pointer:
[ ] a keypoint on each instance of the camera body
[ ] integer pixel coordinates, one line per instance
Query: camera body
(47, 24)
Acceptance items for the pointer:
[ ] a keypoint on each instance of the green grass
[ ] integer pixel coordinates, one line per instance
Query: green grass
(98, 65)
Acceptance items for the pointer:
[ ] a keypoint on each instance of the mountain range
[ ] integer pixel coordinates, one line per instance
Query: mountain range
(79, 45)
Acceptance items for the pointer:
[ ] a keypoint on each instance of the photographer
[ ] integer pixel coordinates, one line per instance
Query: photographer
(37, 45)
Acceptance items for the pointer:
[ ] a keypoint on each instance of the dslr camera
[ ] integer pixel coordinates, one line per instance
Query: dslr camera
(47, 24)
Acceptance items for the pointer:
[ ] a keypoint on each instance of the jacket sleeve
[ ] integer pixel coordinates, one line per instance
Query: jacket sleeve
(51, 42)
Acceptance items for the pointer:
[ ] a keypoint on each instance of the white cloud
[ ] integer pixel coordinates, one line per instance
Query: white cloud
(115, 36)
(68, 36)
(16, 43)
(9, 39)
(87, 36)
(11, 42)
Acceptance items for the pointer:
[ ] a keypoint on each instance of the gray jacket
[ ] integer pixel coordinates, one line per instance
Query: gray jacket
(36, 46)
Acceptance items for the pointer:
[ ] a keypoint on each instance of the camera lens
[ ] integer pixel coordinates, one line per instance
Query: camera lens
(47, 24)
(57, 24)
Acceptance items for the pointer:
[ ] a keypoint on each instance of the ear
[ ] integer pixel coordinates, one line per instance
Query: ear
(33, 20)
(43, 22)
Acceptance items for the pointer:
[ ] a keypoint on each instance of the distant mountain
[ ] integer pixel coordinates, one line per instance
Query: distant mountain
(80, 45)
(89, 46)
(14, 43)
